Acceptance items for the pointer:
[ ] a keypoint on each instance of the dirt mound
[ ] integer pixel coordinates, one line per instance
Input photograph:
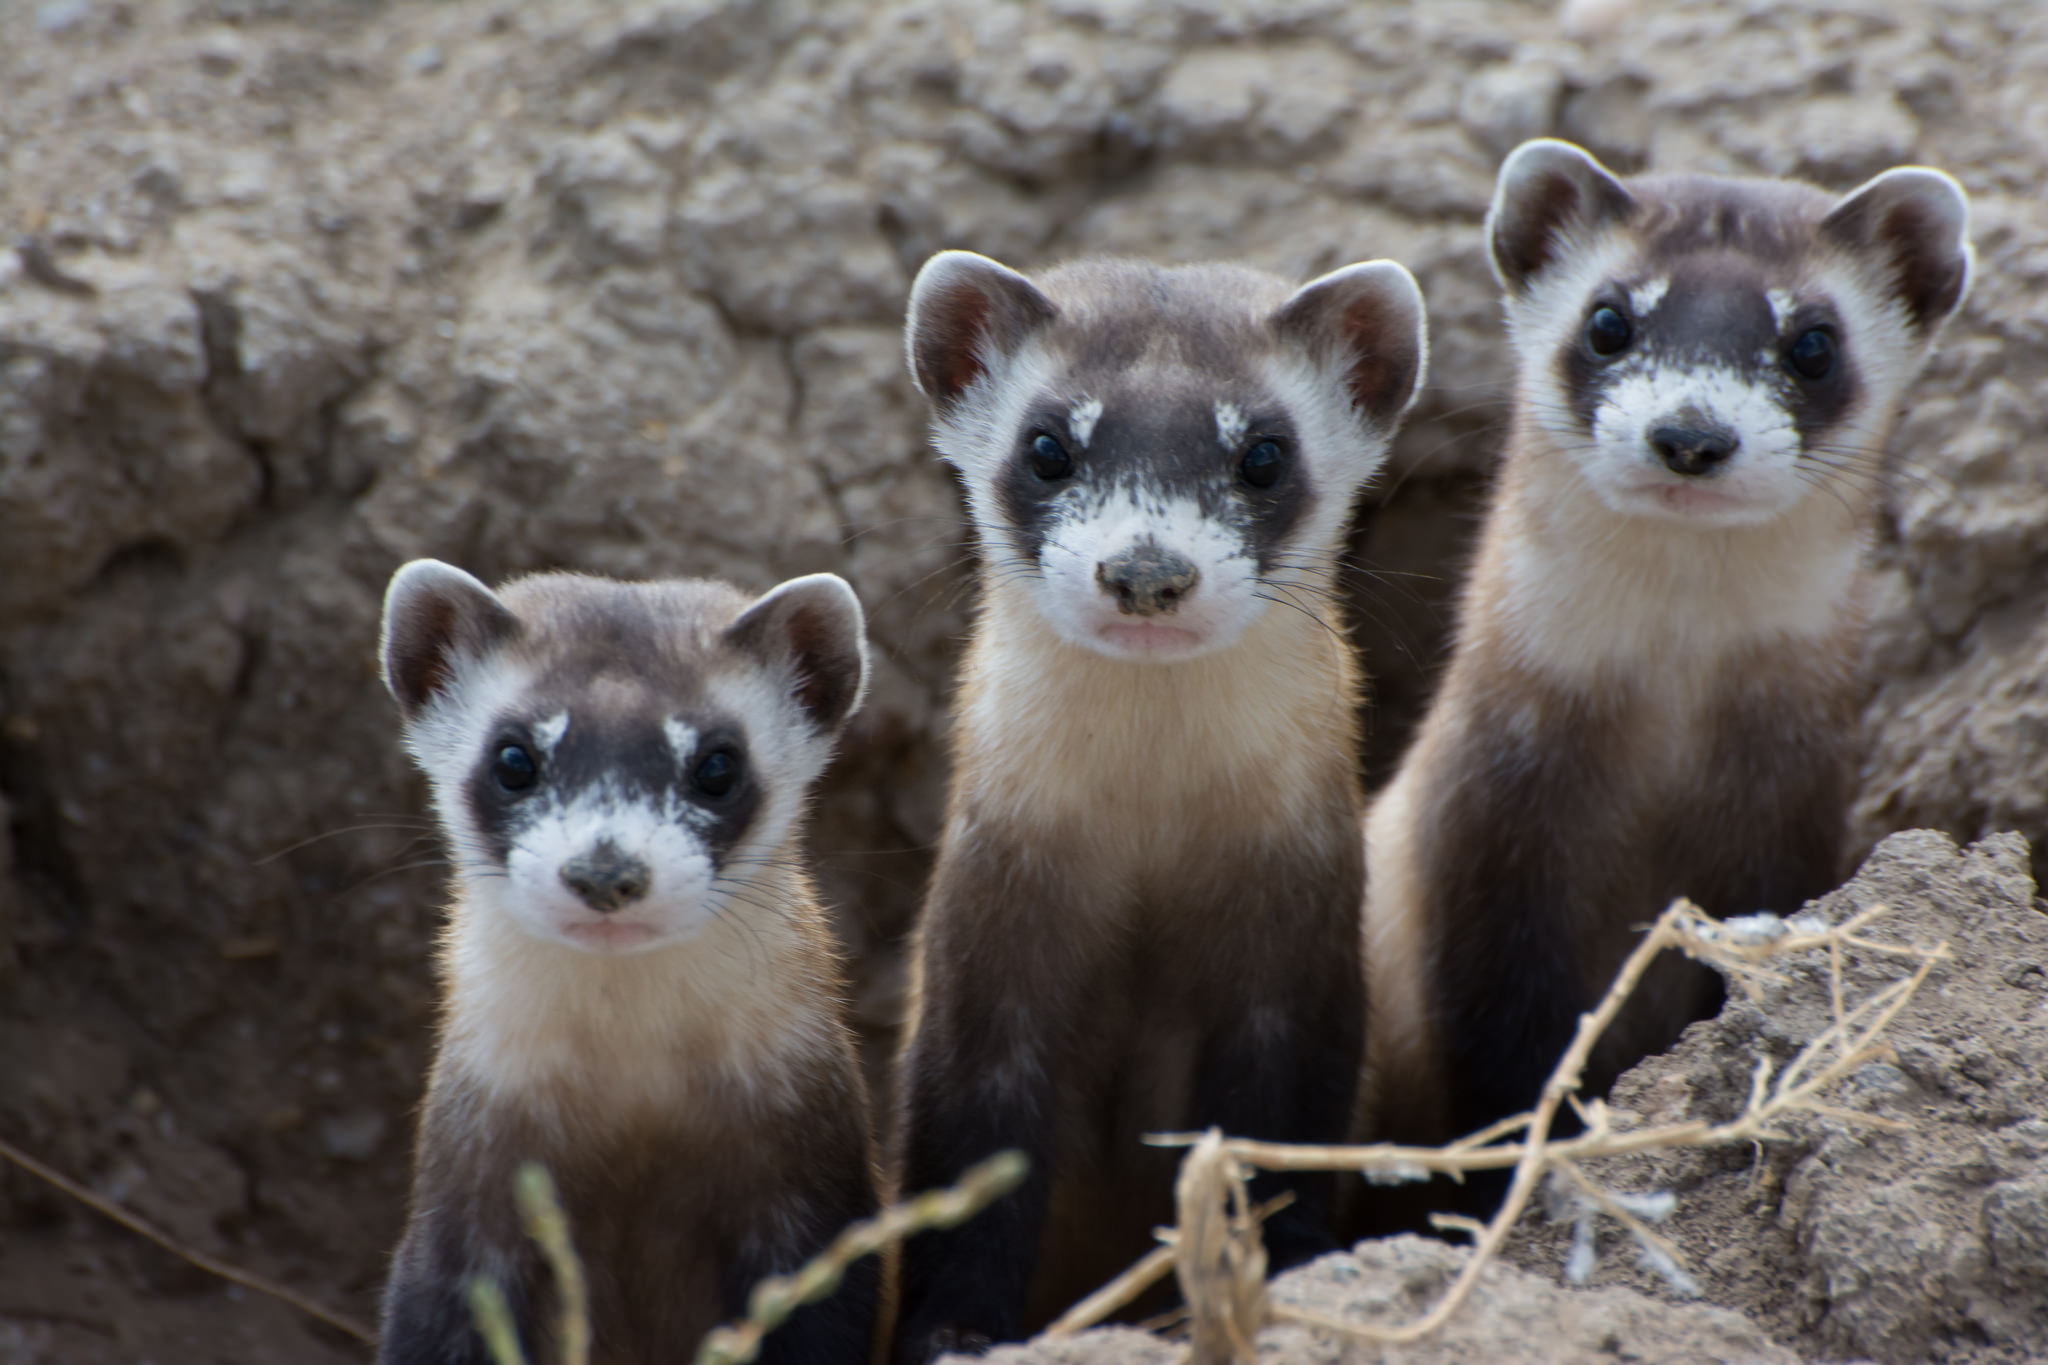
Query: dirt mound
(294, 291)
(1928, 1242)
(1512, 1315)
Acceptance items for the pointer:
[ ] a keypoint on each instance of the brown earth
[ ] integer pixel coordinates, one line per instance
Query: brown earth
(296, 291)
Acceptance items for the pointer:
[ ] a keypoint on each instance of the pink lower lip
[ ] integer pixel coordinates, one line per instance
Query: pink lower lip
(1149, 636)
(1686, 498)
(610, 934)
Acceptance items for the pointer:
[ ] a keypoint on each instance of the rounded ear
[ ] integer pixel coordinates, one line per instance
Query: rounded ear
(813, 630)
(965, 312)
(433, 614)
(1917, 222)
(1368, 322)
(1546, 188)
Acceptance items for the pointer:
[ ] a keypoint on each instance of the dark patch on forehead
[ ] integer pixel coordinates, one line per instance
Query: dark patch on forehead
(1715, 311)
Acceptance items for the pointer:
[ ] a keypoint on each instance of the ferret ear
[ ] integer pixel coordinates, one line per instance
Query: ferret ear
(813, 629)
(1917, 221)
(1547, 188)
(1367, 321)
(434, 613)
(965, 312)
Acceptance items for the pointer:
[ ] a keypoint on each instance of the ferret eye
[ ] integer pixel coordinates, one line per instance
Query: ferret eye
(1262, 464)
(716, 774)
(1811, 354)
(514, 768)
(1049, 459)
(1608, 332)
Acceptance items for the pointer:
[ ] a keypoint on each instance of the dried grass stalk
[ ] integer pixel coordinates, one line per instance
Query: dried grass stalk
(776, 1297)
(1219, 1257)
(106, 1208)
(1216, 1242)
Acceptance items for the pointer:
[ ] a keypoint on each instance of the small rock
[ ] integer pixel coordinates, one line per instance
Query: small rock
(222, 54)
(1880, 1078)
(57, 17)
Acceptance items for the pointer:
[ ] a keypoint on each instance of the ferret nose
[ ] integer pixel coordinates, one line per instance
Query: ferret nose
(605, 878)
(1692, 450)
(1146, 580)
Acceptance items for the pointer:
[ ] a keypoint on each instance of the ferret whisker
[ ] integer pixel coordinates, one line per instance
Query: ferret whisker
(421, 830)
(1320, 622)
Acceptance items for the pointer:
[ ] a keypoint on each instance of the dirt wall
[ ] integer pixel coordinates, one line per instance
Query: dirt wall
(296, 291)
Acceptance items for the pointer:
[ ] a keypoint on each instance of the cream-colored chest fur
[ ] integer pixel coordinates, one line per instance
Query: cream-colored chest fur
(709, 1030)
(1567, 588)
(1127, 763)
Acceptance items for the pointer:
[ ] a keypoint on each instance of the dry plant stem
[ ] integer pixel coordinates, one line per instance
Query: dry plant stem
(1854, 1038)
(1529, 1165)
(1457, 1222)
(1636, 1226)
(493, 1317)
(1140, 1276)
(1852, 1041)
(776, 1297)
(1119, 1292)
(547, 1225)
(1218, 1256)
(185, 1253)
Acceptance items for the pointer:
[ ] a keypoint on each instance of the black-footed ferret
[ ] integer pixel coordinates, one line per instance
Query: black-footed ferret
(1656, 679)
(1144, 912)
(641, 989)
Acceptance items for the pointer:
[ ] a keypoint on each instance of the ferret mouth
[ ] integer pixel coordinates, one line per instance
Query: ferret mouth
(1149, 639)
(610, 935)
(1688, 500)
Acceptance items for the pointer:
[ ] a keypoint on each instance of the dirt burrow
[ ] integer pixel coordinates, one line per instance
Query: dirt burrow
(293, 292)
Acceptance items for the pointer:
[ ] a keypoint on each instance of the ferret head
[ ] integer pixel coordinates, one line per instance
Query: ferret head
(1157, 455)
(614, 763)
(1715, 350)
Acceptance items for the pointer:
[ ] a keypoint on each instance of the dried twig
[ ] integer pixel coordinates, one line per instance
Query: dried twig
(108, 1209)
(1120, 1292)
(1148, 1270)
(1741, 947)
(540, 1210)
(493, 1317)
(1219, 1257)
(546, 1224)
(775, 1298)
